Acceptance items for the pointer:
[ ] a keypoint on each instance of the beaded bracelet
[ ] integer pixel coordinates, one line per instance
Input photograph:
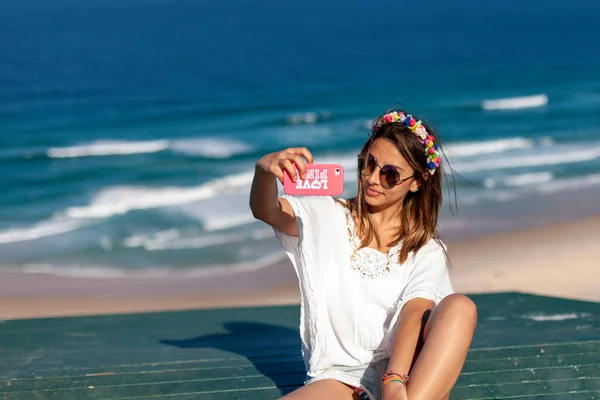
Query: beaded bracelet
(393, 380)
(394, 377)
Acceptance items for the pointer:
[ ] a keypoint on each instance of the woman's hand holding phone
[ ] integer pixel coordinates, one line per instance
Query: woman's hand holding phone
(295, 169)
(292, 160)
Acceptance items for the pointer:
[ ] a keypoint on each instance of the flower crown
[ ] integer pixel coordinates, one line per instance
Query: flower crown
(431, 148)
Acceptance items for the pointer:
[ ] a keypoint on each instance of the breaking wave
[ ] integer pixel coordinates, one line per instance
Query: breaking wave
(515, 103)
(209, 147)
(108, 148)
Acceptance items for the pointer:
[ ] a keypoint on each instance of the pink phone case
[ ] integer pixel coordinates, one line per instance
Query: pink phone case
(321, 180)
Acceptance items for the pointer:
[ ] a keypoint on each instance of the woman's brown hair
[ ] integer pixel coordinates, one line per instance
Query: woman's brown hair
(420, 210)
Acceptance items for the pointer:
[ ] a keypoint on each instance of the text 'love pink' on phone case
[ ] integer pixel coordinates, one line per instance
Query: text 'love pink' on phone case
(321, 180)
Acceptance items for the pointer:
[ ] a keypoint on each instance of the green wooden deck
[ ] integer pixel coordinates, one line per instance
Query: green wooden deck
(526, 347)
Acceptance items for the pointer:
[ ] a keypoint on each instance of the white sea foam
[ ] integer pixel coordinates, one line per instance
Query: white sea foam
(514, 103)
(211, 147)
(505, 196)
(528, 179)
(118, 200)
(225, 211)
(546, 141)
(172, 240)
(108, 148)
(518, 186)
(54, 226)
(304, 118)
(519, 180)
(265, 261)
(226, 222)
(553, 317)
(123, 199)
(569, 184)
(467, 149)
(144, 240)
(107, 272)
(307, 117)
(560, 156)
(92, 271)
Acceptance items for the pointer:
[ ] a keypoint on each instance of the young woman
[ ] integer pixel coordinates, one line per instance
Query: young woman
(379, 319)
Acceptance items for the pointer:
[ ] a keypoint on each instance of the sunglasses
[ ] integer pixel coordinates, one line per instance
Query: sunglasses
(389, 175)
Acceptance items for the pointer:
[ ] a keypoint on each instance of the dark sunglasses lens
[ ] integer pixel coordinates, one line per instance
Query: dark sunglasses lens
(369, 166)
(389, 177)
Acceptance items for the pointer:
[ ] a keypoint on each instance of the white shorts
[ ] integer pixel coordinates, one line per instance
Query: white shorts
(364, 379)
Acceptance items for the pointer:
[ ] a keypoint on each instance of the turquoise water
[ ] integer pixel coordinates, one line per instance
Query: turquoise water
(129, 129)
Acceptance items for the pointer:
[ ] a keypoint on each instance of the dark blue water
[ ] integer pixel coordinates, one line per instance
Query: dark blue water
(129, 129)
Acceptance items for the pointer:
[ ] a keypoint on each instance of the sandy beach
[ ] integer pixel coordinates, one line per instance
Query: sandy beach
(560, 260)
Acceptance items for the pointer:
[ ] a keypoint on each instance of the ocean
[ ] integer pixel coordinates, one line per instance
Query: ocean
(129, 129)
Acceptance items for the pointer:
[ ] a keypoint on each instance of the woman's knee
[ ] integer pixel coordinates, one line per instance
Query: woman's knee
(457, 310)
(459, 307)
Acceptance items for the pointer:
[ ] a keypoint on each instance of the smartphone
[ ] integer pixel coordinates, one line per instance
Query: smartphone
(321, 180)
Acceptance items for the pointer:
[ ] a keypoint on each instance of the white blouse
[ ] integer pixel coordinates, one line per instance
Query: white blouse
(351, 299)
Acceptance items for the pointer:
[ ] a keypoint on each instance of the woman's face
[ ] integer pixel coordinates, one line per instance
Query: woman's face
(387, 157)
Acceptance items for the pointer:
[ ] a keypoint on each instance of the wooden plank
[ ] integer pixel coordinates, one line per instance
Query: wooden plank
(222, 385)
(526, 347)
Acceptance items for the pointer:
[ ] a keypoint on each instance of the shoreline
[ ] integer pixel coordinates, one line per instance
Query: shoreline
(560, 260)
(38, 295)
(540, 260)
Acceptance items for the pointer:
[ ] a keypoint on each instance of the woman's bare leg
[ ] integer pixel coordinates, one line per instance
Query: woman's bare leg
(447, 337)
(325, 389)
